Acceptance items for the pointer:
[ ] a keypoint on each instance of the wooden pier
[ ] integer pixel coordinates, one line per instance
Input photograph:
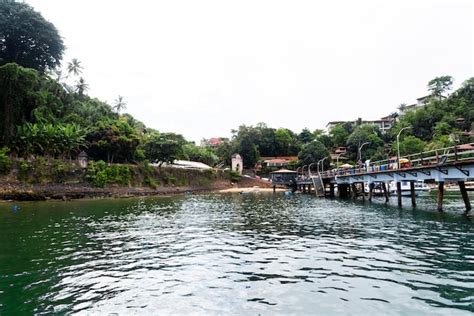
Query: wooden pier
(447, 165)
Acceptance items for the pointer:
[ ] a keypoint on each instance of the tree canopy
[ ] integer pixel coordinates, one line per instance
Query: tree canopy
(439, 85)
(312, 153)
(27, 39)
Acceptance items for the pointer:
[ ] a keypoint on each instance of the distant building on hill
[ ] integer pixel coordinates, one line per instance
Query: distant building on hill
(384, 123)
(213, 141)
(420, 102)
(277, 162)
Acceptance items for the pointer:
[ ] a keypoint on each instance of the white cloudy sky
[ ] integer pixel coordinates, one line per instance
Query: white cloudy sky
(201, 68)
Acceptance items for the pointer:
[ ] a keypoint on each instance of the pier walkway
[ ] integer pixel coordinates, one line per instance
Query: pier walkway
(446, 165)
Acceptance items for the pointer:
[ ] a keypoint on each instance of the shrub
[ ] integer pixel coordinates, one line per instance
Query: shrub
(234, 176)
(99, 174)
(24, 170)
(5, 161)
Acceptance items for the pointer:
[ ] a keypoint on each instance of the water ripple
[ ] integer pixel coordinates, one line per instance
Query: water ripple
(221, 254)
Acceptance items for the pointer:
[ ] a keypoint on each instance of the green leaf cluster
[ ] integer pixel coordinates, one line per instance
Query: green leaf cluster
(5, 161)
(100, 174)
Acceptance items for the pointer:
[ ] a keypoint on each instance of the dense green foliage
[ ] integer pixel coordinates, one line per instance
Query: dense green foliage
(313, 152)
(27, 39)
(100, 174)
(59, 140)
(5, 161)
(18, 97)
(200, 154)
(163, 147)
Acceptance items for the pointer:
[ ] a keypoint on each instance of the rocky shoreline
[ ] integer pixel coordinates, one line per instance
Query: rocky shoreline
(44, 192)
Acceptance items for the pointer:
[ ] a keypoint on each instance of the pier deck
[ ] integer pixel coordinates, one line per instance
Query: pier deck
(451, 164)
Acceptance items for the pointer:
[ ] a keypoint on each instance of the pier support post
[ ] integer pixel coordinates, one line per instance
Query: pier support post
(331, 189)
(343, 188)
(399, 193)
(353, 191)
(362, 190)
(371, 190)
(412, 193)
(465, 197)
(440, 195)
(274, 188)
(304, 188)
(385, 192)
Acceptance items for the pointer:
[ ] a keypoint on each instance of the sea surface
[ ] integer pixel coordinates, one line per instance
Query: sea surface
(249, 254)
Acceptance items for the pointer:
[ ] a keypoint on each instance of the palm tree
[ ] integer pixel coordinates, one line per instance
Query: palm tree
(120, 104)
(402, 107)
(81, 87)
(74, 67)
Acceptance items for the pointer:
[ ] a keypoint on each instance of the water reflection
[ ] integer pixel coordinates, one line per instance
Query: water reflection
(239, 254)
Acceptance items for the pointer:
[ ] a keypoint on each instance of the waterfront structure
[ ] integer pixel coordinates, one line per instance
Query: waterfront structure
(451, 164)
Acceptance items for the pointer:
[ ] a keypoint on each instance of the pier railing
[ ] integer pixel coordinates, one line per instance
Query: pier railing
(436, 157)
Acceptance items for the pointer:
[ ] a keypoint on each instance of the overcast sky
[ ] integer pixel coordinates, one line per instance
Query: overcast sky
(202, 68)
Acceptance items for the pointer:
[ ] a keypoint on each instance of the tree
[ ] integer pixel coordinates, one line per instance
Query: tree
(402, 107)
(163, 147)
(17, 97)
(119, 104)
(81, 87)
(410, 145)
(113, 140)
(339, 135)
(312, 153)
(200, 154)
(306, 136)
(362, 134)
(282, 142)
(225, 150)
(27, 39)
(246, 140)
(74, 67)
(440, 85)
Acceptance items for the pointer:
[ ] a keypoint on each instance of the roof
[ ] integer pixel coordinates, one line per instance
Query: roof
(336, 122)
(214, 141)
(465, 147)
(287, 158)
(186, 164)
(284, 171)
(425, 97)
(276, 161)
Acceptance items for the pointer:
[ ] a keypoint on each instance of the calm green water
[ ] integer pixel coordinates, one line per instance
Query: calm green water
(235, 254)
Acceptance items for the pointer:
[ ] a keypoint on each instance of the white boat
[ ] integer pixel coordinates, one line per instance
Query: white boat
(420, 186)
(454, 187)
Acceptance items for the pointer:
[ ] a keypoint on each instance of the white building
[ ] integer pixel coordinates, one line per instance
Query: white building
(237, 163)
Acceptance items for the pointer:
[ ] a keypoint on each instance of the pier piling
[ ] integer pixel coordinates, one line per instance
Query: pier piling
(385, 192)
(353, 191)
(371, 189)
(399, 193)
(440, 195)
(412, 193)
(465, 197)
(331, 189)
(343, 190)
